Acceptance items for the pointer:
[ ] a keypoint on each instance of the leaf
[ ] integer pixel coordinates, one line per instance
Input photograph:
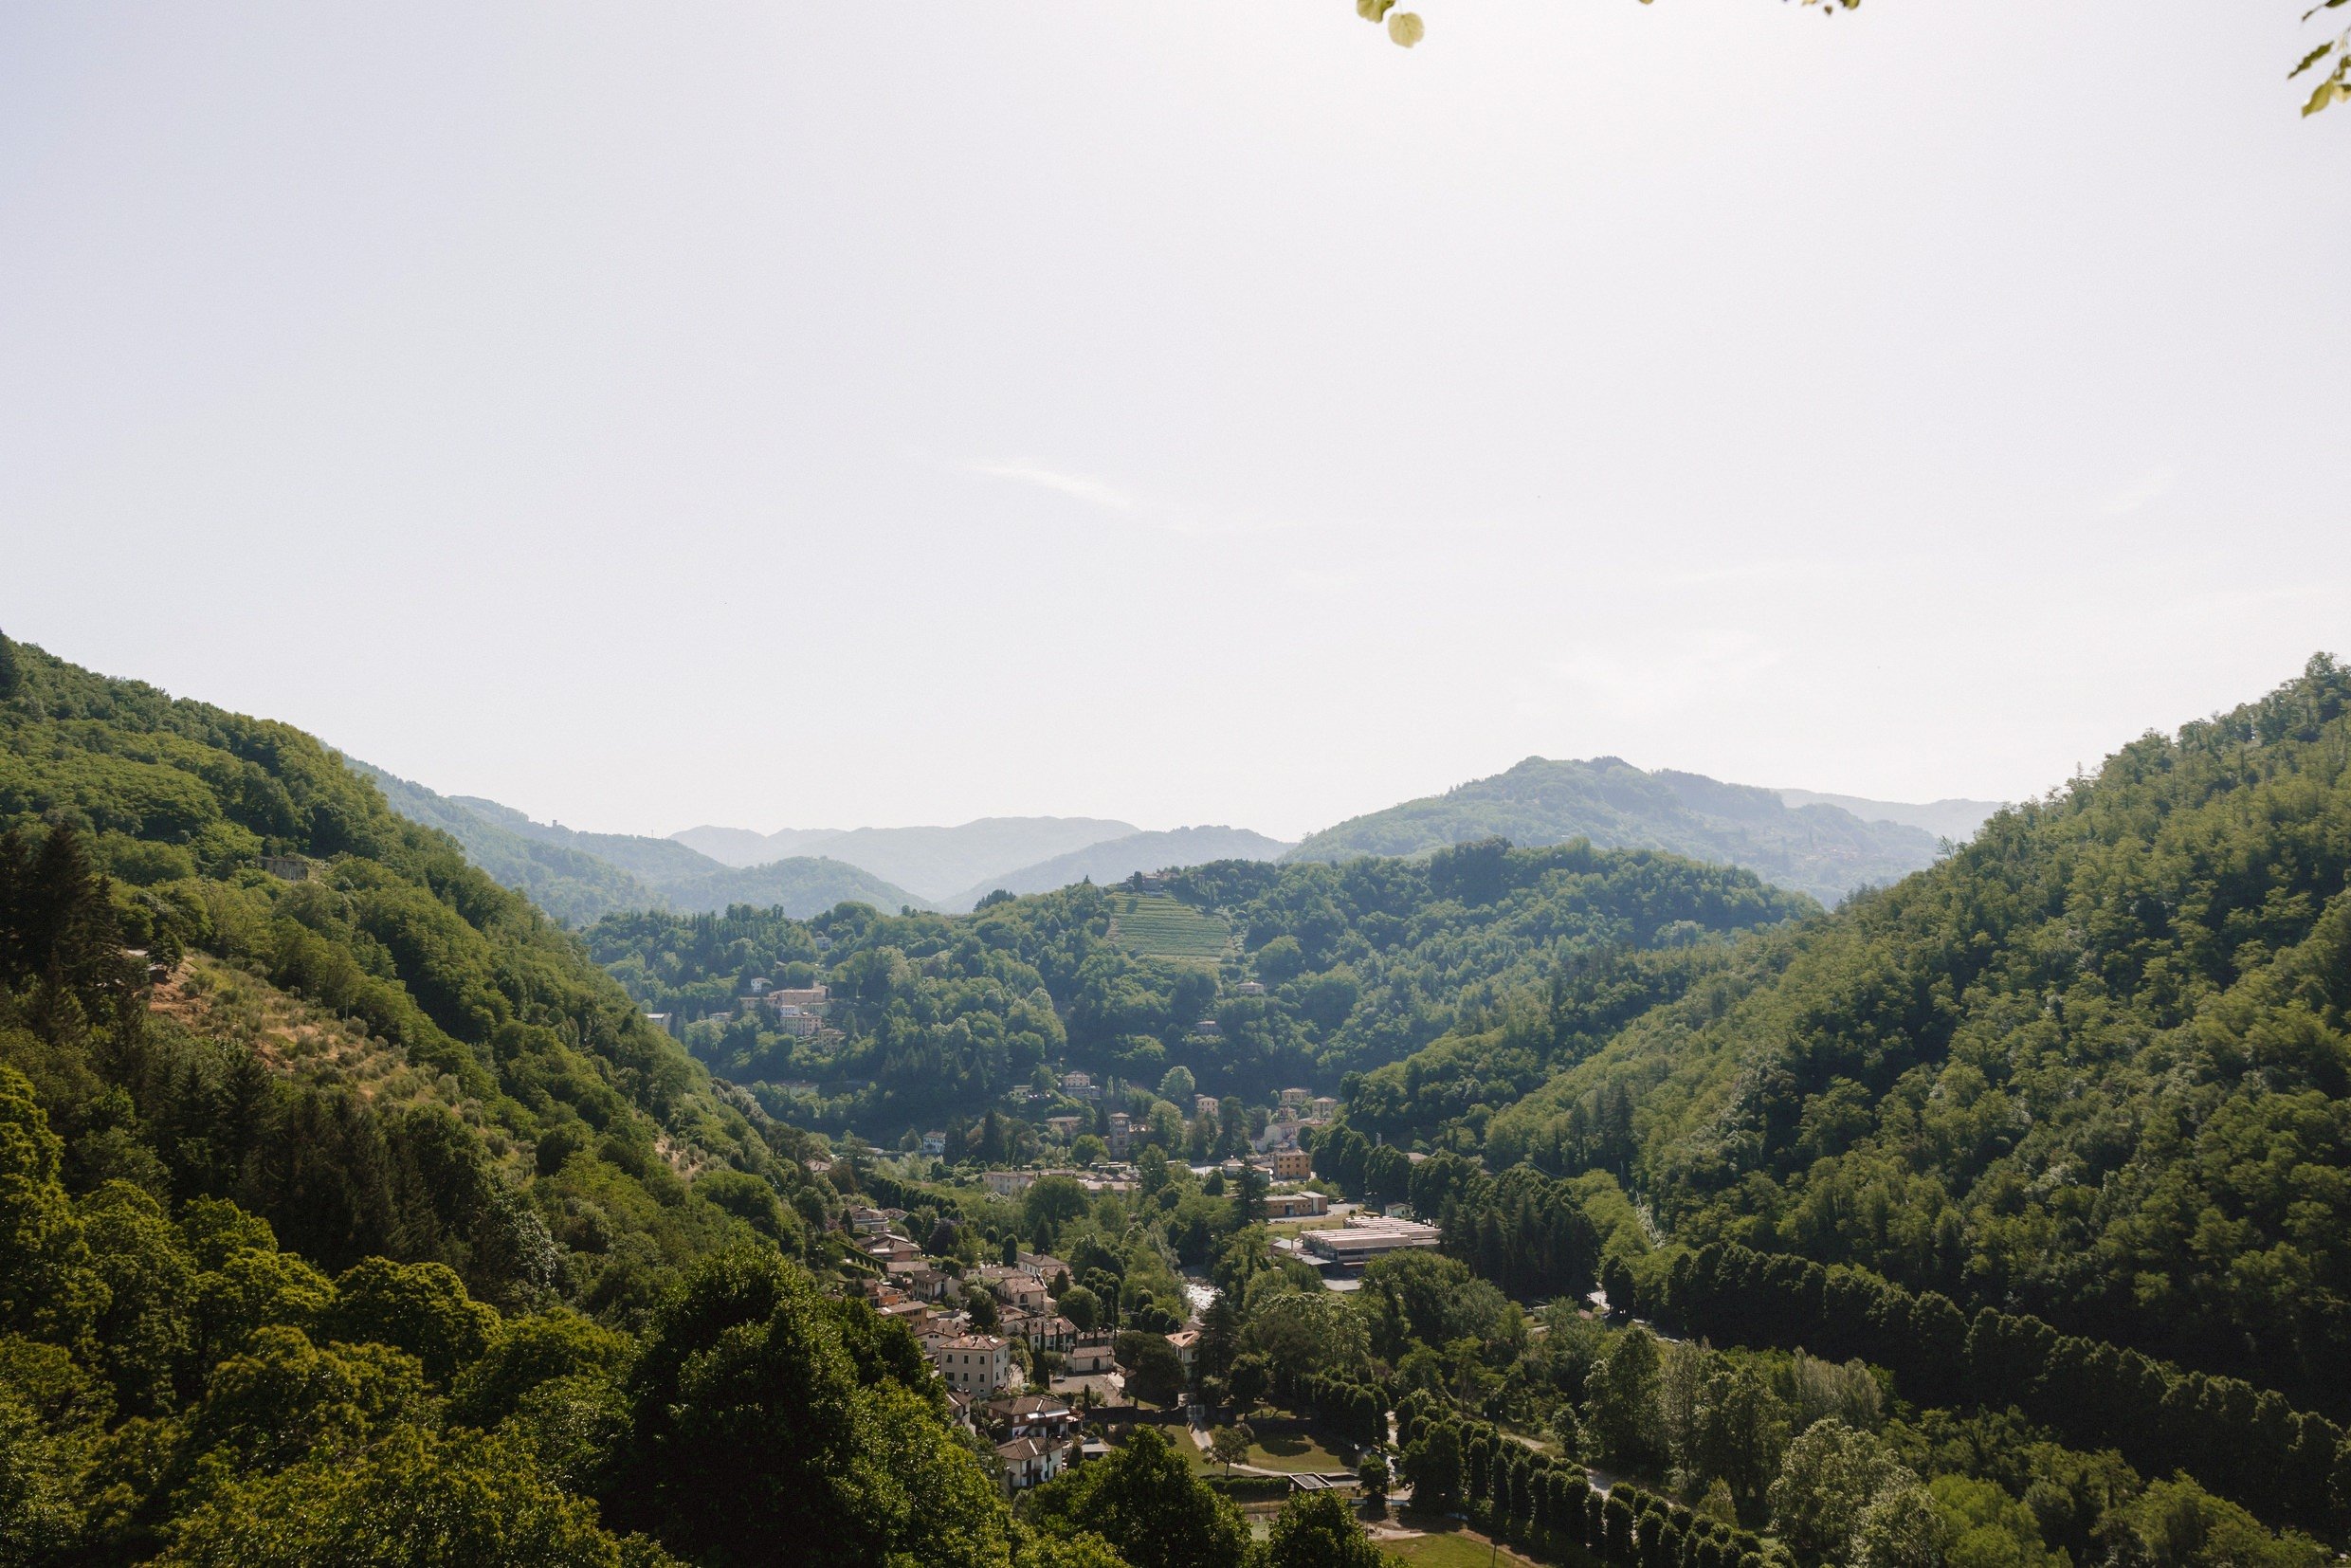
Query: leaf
(1404, 29)
(2328, 92)
(1372, 11)
(2309, 60)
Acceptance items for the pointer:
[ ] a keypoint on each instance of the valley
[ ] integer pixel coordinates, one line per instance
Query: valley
(2006, 1199)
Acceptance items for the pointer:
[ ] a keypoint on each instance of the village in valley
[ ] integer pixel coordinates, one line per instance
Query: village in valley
(1049, 1391)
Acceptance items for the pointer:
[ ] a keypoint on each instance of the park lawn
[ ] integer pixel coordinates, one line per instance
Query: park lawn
(1455, 1547)
(1294, 1452)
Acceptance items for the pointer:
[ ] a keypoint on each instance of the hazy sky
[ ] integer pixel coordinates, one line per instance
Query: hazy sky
(783, 414)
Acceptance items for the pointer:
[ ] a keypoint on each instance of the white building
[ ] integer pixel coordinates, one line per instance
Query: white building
(1029, 1461)
(978, 1366)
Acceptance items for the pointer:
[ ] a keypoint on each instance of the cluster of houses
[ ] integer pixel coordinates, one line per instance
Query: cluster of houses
(795, 1011)
(1280, 1166)
(1035, 1435)
(1298, 1111)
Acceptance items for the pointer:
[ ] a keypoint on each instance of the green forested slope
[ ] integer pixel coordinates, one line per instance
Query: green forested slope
(568, 883)
(360, 1218)
(1820, 850)
(1358, 964)
(2093, 1066)
(350, 1215)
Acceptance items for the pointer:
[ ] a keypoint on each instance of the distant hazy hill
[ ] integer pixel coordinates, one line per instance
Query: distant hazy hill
(578, 877)
(1956, 820)
(937, 863)
(1120, 858)
(1818, 849)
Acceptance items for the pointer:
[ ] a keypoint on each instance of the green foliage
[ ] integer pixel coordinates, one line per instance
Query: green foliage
(40, 1513)
(529, 1353)
(415, 1499)
(753, 1421)
(2251, 1442)
(1621, 1414)
(1406, 29)
(1362, 963)
(1153, 1374)
(2331, 59)
(1145, 1504)
(1432, 1467)
(362, 1048)
(1830, 1477)
(420, 1308)
(2178, 1525)
(1446, 1092)
(47, 1286)
(1317, 1531)
(2094, 1065)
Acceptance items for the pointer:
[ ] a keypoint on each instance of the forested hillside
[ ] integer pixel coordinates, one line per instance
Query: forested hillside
(1820, 850)
(578, 877)
(349, 1213)
(2092, 1068)
(1337, 968)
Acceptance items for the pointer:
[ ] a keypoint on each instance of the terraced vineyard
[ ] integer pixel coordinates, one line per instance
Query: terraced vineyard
(1151, 926)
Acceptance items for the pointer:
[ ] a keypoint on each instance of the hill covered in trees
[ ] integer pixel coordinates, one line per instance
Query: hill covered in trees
(348, 1213)
(578, 877)
(1334, 969)
(1819, 849)
(2092, 1068)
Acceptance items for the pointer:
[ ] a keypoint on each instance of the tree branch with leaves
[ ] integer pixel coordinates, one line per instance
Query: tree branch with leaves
(2332, 57)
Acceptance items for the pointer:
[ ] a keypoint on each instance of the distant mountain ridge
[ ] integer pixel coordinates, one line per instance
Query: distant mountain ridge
(1952, 818)
(1116, 858)
(937, 862)
(1822, 844)
(579, 877)
(1821, 849)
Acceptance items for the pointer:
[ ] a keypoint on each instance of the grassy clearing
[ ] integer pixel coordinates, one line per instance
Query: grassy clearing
(1452, 1546)
(1292, 1452)
(1287, 1453)
(1152, 925)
